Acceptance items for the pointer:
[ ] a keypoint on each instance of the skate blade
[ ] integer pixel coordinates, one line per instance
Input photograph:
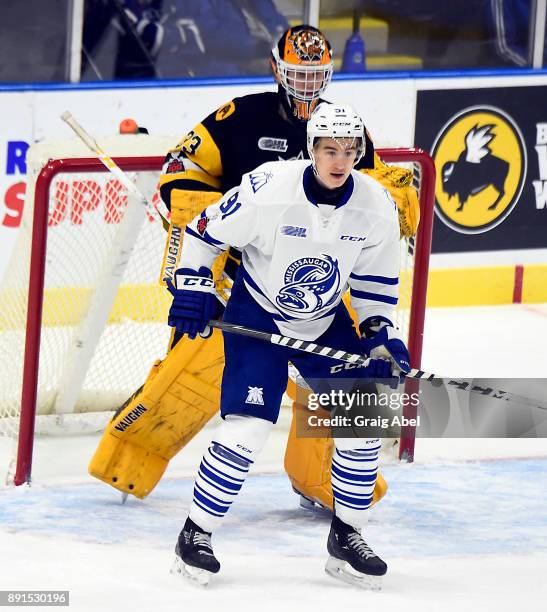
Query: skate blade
(194, 575)
(341, 570)
(308, 504)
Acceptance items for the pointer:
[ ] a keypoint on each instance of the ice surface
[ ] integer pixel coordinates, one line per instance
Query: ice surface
(464, 527)
(470, 533)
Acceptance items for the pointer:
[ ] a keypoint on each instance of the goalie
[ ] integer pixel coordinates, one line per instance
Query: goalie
(182, 393)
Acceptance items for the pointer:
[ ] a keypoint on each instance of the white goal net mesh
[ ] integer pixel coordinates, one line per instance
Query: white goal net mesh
(87, 214)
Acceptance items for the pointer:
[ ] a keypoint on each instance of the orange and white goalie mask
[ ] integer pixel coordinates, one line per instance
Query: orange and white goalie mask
(302, 65)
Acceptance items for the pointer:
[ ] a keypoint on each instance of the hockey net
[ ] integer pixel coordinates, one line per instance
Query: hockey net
(82, 314)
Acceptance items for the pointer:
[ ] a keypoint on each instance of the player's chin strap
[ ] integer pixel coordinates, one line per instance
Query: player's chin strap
(361, 361)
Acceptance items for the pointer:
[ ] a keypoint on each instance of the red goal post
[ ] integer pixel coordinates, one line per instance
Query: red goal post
(416, 251)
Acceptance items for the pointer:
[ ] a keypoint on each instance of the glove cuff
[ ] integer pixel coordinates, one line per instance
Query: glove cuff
(371, 326)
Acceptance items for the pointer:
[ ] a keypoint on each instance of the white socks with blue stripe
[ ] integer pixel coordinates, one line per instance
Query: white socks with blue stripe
(236, 445)
(224, 467)
(353, 477)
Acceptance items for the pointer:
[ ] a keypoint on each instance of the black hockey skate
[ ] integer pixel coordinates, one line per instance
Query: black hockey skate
(351, 559)
(195, 559)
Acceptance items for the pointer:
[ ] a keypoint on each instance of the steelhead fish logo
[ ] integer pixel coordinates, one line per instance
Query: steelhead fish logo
(312, 283)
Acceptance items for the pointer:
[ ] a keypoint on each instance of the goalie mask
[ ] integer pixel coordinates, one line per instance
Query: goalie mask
(302, 65)
(339, 122)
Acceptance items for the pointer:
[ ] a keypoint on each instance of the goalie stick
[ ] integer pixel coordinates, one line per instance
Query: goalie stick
(361, 361)
(109, 163)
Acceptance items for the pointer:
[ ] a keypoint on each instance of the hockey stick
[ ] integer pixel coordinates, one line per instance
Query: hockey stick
(361, 361)
(111, 165)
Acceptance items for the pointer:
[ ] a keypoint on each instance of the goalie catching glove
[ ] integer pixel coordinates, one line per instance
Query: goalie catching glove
(382, 340)
(194, 302)
(398, 181)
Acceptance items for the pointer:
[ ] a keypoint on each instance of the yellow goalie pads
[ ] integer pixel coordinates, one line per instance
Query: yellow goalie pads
(308, 462)
(308, 459)
(180, 396)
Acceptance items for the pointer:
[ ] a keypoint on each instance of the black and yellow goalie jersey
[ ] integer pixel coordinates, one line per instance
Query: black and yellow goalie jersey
(235, 139)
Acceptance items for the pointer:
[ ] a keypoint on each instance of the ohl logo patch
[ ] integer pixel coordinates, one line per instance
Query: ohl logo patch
(480, 157)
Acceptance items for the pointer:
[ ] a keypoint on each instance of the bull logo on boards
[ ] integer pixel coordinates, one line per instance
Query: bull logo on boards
(481, 158)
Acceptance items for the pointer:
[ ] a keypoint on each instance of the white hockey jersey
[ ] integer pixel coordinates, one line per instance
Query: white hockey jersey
(298, 256)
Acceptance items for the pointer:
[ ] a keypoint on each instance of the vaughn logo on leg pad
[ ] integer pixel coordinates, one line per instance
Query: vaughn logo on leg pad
(130, 418)
(254, 396)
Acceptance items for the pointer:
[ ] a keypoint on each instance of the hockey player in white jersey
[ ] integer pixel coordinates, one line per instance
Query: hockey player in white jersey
(307, 232)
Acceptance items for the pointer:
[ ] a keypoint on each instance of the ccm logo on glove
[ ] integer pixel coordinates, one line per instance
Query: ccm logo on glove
(196, 283)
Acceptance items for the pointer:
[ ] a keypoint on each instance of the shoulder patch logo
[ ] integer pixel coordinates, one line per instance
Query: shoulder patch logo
(225, 111)
(174, 166)
(202, 225)
(173, 162)
(259, 179)
(279, 145)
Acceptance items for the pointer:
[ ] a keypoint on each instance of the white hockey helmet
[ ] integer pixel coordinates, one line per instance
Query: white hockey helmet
(336, 121)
